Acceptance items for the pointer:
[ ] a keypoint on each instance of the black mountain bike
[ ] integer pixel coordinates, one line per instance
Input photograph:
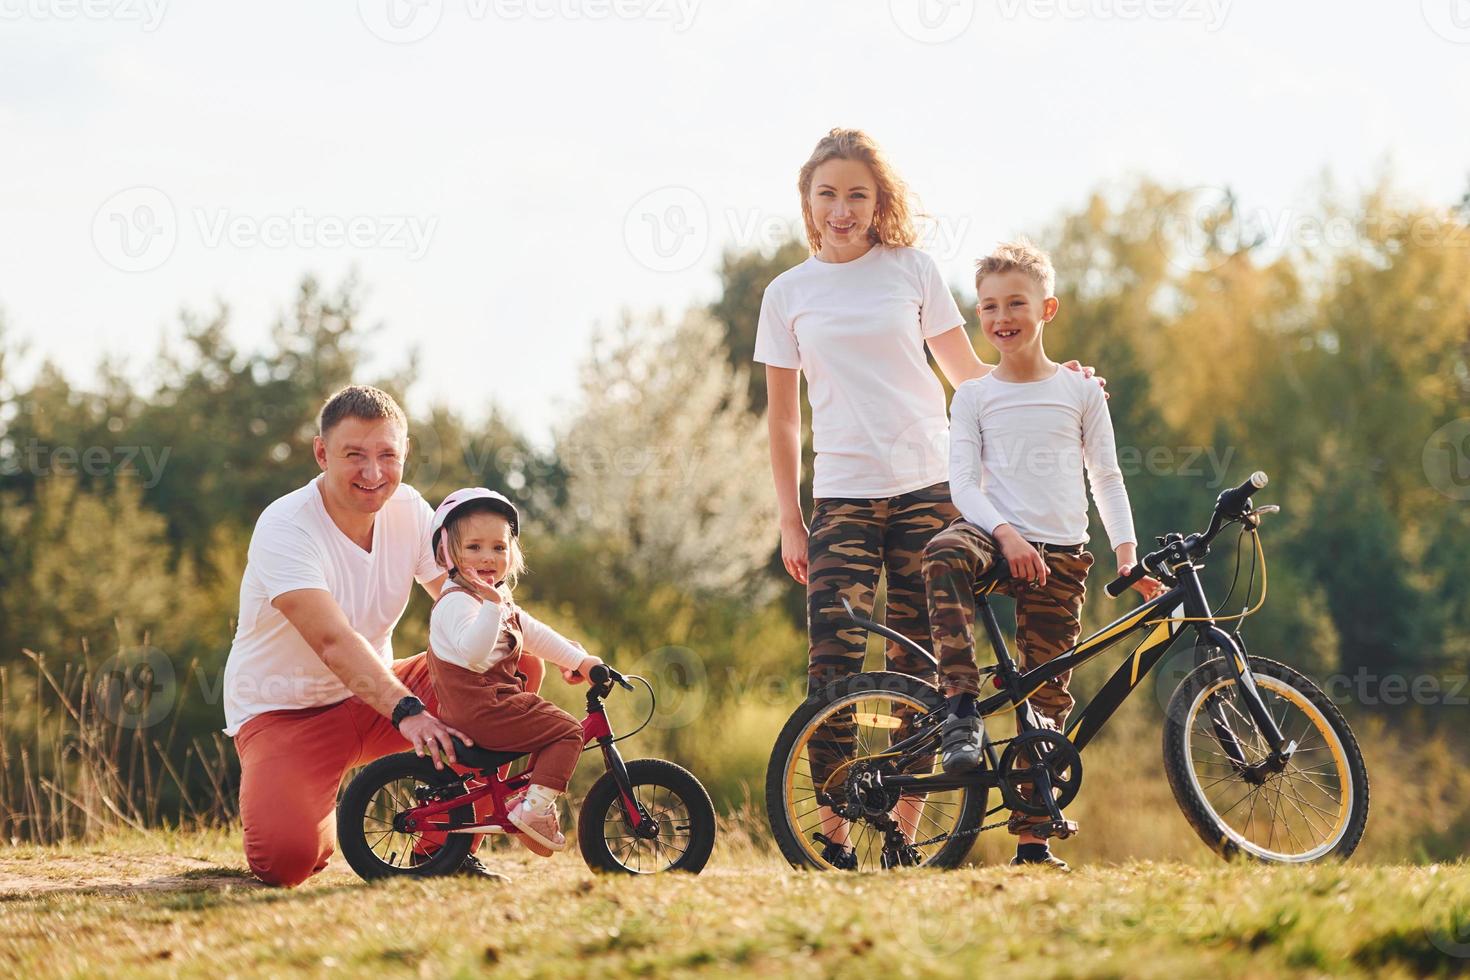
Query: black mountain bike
(1260, 760)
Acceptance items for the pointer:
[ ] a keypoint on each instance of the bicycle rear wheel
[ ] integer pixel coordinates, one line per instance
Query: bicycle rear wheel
(1315, 808)
(851, 724)
(374, 846)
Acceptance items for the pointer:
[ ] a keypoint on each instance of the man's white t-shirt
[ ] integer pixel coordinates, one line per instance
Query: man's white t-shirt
(857, 331)
(296, 545)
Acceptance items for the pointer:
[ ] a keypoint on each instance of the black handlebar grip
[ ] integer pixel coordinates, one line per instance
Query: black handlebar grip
(600, 674)
(1123, 583)
(1232, 502)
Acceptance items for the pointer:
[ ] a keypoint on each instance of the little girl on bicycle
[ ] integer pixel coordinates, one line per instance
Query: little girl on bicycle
(476, 636)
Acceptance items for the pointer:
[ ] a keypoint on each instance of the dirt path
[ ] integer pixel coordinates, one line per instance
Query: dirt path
(24, 877)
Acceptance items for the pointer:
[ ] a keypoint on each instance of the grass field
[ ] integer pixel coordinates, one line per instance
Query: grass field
(160, 904)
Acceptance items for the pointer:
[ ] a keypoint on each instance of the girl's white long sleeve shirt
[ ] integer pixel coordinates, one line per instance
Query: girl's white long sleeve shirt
(472, 634)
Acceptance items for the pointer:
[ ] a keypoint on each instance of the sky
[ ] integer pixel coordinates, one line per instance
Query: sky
(504, 176)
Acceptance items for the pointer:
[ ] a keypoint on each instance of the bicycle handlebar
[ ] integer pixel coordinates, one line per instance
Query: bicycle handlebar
(1123, 583)
(1229, 506)
(602, 673)
(1232, 503)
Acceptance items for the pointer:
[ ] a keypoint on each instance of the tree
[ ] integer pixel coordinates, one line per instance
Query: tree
(744, 277)
(667, 468)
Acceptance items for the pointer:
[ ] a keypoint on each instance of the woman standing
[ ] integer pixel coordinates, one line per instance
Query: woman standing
(855, 319)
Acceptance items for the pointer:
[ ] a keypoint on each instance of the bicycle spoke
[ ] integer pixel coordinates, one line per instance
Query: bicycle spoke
(1306, 817)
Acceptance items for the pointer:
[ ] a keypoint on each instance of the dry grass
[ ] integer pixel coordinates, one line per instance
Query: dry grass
(180, 905)
(87, 750)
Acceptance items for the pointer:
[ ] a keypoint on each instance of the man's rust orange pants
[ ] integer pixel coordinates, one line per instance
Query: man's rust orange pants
(292, 764)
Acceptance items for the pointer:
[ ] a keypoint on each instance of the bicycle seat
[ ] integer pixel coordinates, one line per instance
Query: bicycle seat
(486, 760)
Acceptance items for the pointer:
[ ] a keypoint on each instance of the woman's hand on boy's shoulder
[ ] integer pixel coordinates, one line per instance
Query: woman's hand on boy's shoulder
(1088, 372)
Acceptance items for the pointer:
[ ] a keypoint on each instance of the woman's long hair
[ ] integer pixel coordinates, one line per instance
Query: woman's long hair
(893, 220)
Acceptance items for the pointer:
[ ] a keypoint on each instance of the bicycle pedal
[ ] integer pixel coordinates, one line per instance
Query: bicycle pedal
(1060, 829)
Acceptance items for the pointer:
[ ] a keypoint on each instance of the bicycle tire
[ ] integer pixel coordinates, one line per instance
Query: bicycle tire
(352, 814)
(603, 805)
(1284, 682)
(788, 838)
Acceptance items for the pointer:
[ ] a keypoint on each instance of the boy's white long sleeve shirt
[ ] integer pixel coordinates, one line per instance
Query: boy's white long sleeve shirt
(1017, 453)
(470, 634)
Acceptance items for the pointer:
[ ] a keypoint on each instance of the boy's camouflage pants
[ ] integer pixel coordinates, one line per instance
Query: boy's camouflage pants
(849, 543)
(1047, 617)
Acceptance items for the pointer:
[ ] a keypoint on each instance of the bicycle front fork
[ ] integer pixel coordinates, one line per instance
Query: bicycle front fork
(1281, 748)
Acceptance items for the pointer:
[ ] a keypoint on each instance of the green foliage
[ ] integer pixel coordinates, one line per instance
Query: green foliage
(744, 277)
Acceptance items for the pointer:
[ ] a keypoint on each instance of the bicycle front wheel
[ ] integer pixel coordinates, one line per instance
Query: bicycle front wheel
(852, 724)
(682, 829)
(1314, 808)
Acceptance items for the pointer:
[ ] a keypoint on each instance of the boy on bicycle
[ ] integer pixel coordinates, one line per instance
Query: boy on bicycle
(1020, 438)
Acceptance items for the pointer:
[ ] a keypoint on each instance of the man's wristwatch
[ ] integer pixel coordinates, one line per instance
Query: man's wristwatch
(405, 708)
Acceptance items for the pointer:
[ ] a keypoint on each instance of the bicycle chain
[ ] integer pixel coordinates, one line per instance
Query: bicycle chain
(978, 830)
(962, 834)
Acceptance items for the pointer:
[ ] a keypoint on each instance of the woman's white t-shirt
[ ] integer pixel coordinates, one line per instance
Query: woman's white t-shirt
(296, 545)
(857, 331)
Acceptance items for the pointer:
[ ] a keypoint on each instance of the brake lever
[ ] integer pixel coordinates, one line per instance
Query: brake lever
(1252, 519)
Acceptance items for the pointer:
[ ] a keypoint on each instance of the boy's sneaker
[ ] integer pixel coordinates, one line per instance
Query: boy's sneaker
(840, 856)
(541, 827)
(1038, 854)
(962, 737)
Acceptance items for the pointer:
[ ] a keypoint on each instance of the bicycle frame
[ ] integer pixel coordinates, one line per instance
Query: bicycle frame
(1166, 616)
(595, 729)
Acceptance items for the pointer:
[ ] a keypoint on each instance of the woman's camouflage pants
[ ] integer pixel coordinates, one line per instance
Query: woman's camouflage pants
(849, 544)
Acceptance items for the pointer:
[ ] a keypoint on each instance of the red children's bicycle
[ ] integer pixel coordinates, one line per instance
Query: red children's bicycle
(402, 816)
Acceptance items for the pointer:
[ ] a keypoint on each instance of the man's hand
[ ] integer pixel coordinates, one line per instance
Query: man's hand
(430, 736)
(1148, 586)
(1025, 561)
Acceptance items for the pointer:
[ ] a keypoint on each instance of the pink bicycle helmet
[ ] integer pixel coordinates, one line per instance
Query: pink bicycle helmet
(463, 501)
